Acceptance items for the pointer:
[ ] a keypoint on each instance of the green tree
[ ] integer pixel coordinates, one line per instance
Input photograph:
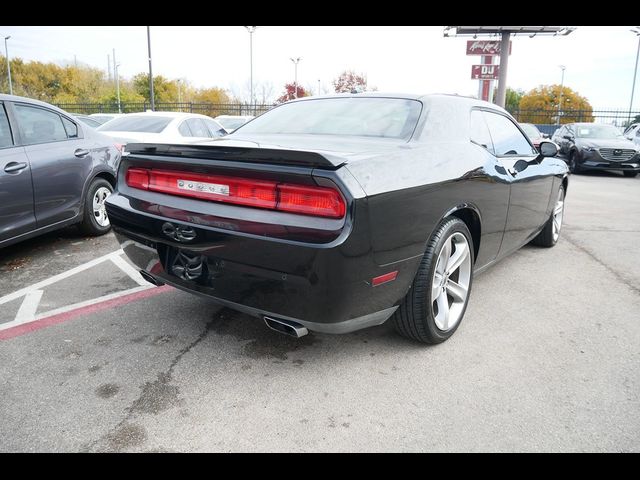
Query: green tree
(164, 90)
(540, 105)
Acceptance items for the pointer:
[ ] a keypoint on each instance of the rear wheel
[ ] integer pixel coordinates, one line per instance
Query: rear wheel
(550, 234)
(630, 174)
(573, 162)
(95, 220)
(433, 309)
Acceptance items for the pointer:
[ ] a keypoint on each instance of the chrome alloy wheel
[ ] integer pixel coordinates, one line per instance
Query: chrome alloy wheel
(99, 207)
(451, 281)
(558, 214)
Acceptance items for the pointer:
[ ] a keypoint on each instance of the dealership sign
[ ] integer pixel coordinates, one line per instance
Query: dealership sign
(485, 72)
(484, 47)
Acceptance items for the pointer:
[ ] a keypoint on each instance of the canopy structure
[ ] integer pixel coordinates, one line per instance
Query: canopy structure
(505, 34)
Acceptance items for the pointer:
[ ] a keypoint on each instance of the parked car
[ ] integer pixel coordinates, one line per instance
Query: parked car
(632, 132)
(88, 121)
(231, 122)
(54, 171)
(103, 118)
(533, 133)
(163, 127)
(591, 146)
(333, 214)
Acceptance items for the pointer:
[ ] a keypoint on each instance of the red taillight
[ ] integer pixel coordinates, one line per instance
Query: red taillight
(138, 178)
(387, 277)
(305, 200)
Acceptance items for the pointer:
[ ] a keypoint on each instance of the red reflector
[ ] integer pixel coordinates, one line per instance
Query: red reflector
(320, 201)
(138, 178)
(387, 277)
(305, 200)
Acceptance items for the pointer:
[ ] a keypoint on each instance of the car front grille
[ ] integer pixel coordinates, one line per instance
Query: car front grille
(617, 154)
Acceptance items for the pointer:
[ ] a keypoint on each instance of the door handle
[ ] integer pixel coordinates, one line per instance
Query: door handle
(81, 152)
(13, 167)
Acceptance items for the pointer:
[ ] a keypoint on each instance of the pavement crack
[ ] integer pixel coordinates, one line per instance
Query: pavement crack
(614, 272)
(155, 397)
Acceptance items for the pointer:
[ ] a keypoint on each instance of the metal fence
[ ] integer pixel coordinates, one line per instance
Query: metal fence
(619, 118)
(211, 109)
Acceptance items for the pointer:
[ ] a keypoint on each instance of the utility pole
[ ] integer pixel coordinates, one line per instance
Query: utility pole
(636, 31)
(318, 86)
(504, 64)
(153, 105)
(562, 67)
(108, 67)
(117, 77)
(251, 29)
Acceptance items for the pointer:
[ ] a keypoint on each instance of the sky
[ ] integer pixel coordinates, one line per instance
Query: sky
(599, 61)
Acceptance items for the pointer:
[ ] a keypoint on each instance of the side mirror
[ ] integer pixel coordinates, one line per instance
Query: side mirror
(548, 149)
(545, 135)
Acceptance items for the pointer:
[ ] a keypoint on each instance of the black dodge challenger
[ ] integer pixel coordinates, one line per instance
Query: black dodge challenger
(336, 213)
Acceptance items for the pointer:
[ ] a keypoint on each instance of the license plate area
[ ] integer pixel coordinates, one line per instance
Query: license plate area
(184, 264)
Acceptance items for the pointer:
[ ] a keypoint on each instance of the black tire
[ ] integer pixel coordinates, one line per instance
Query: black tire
(630, 174)
(90, 225)
(414, 318)
(546, 237)
(573, 162)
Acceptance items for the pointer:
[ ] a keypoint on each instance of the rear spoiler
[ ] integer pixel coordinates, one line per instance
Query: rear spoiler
(238, 154)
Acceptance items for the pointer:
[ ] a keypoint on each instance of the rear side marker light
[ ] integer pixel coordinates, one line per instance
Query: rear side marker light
(387, 277)
(301, 199)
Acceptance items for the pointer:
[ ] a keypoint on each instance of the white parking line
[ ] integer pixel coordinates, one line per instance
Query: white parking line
(126, 267)
(29, 306)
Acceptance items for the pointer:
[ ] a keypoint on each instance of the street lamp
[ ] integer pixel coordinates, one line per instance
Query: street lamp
(295, 83)
(635, 31)
(6, 51)
(151, 95)
(562, 67)
(118, 87)
(251, 29)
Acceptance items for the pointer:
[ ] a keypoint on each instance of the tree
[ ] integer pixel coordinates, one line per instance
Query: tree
(289, 93)
(512, 99)
(164, 90)
(540, 105)
(350, 82)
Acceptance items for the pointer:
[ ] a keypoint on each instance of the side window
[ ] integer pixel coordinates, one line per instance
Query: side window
(638, 132)
(197, 127)
(38, 125)
(507, 138)
(184, 129)
(70, 127)
(215, 130)
(479, 132)
(5, 130)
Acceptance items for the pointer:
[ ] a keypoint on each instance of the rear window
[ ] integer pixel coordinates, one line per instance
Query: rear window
(136, 123)
(353, 116)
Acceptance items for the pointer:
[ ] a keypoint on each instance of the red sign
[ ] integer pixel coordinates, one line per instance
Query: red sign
(485, 72)
(484, 47)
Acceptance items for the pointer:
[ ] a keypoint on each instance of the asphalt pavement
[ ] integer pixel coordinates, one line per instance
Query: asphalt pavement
(547, 357)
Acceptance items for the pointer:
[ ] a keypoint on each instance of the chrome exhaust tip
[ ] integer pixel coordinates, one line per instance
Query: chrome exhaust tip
(150, 278)
(284, 326)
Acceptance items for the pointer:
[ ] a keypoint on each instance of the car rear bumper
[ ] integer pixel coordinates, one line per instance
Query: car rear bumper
(324, 287)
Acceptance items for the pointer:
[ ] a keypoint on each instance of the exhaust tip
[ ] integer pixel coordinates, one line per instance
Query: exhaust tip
(150, 278)
(284, 326)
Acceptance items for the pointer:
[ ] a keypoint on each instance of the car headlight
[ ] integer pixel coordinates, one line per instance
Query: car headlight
(589, 149)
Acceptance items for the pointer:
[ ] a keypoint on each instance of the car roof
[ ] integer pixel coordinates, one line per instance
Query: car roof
(167, 114)
(16, 98)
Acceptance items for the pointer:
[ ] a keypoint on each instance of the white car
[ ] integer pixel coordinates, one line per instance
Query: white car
(633, 133)
(231, 122)
(103, 118)
(162, 127)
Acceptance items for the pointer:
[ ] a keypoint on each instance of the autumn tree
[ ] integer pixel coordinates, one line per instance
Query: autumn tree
(290, 93)
(540, 105)
(350, 82)
(512, 98)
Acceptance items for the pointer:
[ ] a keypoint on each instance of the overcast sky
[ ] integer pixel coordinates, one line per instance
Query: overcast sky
(599, 60)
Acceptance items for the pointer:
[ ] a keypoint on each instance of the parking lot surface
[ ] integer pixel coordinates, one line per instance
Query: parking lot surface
(547, 357)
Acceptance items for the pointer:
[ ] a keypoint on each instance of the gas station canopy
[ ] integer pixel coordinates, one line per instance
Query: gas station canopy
(526, 30)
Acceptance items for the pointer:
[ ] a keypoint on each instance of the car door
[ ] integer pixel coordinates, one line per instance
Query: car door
(16, 191)
(531, 182)
(60, 161)
(558, 137)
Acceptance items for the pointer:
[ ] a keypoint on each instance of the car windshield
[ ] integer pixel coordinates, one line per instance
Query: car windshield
(597, 131)
(231, 123)
(136, 123)
(530, 130)
(357, 116)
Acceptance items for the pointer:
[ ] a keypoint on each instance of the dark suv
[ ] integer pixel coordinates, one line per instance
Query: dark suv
(597, 147)
(54, 171)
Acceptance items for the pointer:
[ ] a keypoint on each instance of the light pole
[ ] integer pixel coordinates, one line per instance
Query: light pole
(180, 93)
(6, 51)
(635, 31)
(251, 29)
(117, 78)
(562, 67)
(318, 86)
(153, 105)
(295, 82)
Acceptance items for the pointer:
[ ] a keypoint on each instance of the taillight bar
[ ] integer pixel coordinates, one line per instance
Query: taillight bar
(301, 199)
